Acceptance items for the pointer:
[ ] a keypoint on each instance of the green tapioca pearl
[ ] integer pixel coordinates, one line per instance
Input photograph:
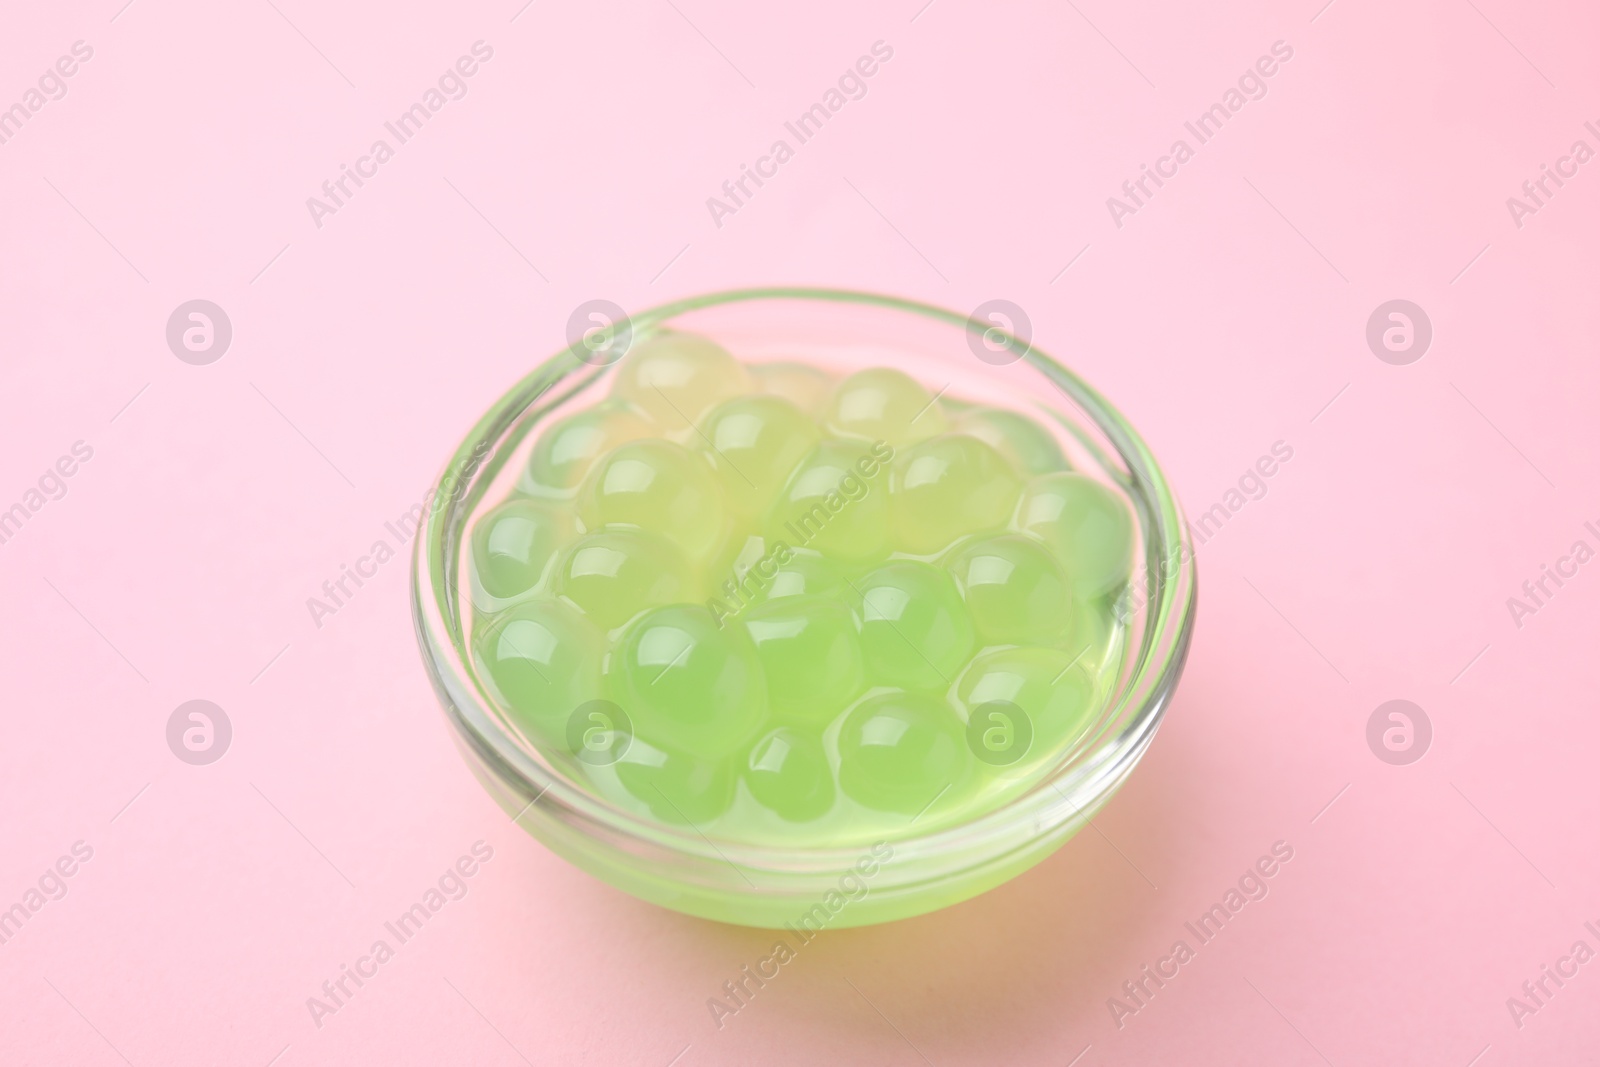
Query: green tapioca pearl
(677, 787)
(804, 574)
(947, 488)
(676, 377)
(805, 387)
(541, 659)
(1026, 444)
(688, 684)
(564, 453)
(883, 404)
(809, 652)
(915, 631)
(900, 751)
(513, 544)
(613, 575)
(787, 772)
(1053, 689)
(836, 503)
(772, 571)
(754, 443)
(1093, 626)
(1015, 590)
(662, 487)
(725, 572)
(1087, 526)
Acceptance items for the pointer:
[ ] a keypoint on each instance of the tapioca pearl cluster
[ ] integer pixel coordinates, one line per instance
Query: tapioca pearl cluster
(850, 671)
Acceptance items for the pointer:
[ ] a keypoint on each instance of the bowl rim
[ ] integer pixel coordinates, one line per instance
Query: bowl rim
(1139, 704)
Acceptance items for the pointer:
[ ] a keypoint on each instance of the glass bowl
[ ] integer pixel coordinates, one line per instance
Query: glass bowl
(807, 888)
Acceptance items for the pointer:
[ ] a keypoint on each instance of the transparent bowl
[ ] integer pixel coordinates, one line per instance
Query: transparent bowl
(764, 884)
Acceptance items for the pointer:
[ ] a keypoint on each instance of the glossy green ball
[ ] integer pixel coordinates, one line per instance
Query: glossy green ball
(754, 443)
(513, 544)
(901, 751)
(675, 378)
(540, 660)
(613, 575)
(776, 604)
(1087, 526)
(661, 487)
(804, 574)
(883, 404)
(687, 684)
(678, 788)
(787, 772)
(915, 631)
(1052, 688)
(1026, 444)
(804, 386)
(809, 652)
(733, 562)
(947, 488)
(836, 503)
(1015, 590)
(563, 454)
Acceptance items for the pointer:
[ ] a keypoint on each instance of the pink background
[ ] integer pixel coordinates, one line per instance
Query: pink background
(1222, 317)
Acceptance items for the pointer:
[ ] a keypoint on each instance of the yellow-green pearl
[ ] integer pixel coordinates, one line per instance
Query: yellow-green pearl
(1015, 590)
(1086, 524)
(541, 660)
(1023, 441)
(662, 487)
(565, 451)
(787, 772)
(948, 487)
(613, 575)
(836, 503)
(675, 378)
(883, 404)
(688, 684)
(514, 542)
(901, 751)
(754, 443)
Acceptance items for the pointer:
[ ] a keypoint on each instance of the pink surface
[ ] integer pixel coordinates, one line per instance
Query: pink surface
(1226, 314)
